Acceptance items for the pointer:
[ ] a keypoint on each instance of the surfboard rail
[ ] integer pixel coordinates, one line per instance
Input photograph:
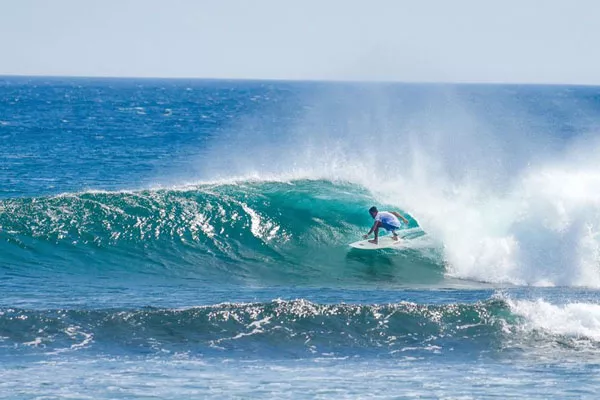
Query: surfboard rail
(384, 242)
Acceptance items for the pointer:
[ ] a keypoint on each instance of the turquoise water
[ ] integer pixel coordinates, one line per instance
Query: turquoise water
(177, 239)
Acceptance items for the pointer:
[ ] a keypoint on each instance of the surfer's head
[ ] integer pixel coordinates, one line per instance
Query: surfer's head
(373, 211)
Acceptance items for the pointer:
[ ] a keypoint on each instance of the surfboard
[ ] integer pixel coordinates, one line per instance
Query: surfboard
(384, 242)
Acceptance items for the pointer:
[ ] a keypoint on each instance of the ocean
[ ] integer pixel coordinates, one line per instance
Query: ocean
(189, 239)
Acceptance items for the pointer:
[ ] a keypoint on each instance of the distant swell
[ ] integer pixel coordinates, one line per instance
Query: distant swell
(300, 328)
(296, 328)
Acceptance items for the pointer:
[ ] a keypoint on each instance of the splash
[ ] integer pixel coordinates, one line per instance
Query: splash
(508, 191)
(576, 320)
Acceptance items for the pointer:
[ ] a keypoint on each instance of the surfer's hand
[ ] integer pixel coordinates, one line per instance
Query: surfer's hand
(365, 236)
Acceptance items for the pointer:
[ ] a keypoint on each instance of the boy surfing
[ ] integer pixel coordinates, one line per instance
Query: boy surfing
(386, 220)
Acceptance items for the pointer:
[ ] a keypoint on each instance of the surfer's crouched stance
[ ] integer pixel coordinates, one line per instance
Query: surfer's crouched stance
(386, 220)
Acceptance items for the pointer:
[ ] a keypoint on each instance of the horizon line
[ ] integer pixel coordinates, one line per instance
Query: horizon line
(297, 80)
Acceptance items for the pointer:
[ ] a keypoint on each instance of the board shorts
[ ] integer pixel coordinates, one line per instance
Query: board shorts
(389, 227)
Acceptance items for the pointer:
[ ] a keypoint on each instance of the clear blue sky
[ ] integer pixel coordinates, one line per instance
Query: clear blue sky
(419, 40)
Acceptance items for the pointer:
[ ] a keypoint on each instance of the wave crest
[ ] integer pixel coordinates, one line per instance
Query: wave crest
(300, 328)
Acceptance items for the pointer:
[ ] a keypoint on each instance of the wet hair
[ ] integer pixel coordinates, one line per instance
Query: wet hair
(373, 209)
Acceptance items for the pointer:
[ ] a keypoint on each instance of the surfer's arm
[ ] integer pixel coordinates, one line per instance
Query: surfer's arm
(397, 214)
(375, 224)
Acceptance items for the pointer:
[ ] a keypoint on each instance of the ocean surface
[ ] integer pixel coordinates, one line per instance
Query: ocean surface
(189, 239)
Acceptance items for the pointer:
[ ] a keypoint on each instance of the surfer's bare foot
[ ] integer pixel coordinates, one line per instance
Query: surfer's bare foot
(373, 241)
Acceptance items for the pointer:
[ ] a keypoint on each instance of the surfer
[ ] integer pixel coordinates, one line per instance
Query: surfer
(386, 220)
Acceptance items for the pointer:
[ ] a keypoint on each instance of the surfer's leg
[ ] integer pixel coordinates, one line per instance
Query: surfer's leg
(393, 229)
(390, 228)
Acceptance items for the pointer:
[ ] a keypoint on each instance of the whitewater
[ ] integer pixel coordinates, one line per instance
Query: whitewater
(190, 239)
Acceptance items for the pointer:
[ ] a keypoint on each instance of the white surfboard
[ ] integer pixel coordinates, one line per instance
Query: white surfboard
(384, 242)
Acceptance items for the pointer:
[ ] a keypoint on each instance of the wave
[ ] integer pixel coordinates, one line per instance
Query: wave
(292, 232)
(297, 231)
(299, 328)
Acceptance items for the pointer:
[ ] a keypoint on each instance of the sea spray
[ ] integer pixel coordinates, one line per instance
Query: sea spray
(476, 172)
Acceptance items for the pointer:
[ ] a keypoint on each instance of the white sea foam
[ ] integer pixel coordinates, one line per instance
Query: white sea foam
(507, 203)
(578, 320)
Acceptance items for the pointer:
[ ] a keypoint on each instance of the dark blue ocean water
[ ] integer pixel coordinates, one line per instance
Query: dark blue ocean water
(189, 239)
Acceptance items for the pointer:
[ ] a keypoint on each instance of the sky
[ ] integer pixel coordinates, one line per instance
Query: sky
(509, 41)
